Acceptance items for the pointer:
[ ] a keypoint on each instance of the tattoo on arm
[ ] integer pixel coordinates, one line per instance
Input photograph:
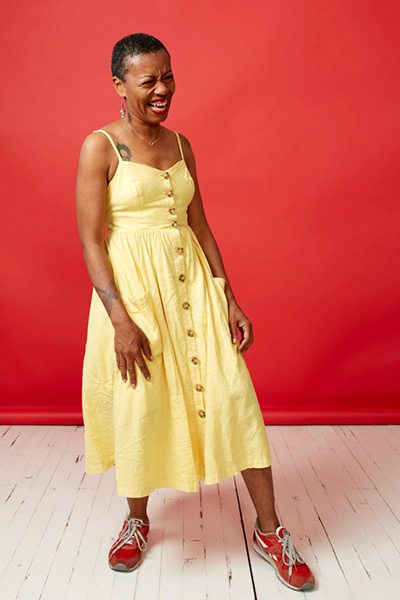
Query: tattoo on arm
(124, 151)
(110, 294)
(185, 140)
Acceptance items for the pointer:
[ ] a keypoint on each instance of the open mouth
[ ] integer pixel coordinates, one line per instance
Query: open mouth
(159, 107)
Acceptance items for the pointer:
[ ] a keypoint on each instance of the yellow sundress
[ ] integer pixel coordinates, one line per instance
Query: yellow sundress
(198, 418)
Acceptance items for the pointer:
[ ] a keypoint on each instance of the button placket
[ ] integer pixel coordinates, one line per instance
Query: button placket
(195, 371)
(170, 194)
(194, 361)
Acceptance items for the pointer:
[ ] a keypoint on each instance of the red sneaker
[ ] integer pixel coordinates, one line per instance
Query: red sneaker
(278, 549)
(126, 552)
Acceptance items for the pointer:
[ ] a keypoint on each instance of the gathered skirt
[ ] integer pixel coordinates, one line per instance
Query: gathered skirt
(198, 418)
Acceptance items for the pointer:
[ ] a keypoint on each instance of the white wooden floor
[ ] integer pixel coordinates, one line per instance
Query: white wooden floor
(337, 492)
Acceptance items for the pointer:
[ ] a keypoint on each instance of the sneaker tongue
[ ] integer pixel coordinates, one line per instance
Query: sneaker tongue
(280, 532)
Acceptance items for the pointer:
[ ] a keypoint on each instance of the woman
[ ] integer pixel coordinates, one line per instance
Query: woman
(166, 393)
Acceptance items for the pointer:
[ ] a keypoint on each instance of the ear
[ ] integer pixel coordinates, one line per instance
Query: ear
(119, 86)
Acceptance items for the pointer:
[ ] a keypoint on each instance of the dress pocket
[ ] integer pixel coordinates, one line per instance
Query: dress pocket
(220, 280)
(220, 285)
(142, 312)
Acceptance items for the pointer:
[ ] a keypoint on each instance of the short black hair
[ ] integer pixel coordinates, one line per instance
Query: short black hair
(131, 45)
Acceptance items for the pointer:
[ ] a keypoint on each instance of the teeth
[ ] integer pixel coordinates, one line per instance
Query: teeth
(158, 104)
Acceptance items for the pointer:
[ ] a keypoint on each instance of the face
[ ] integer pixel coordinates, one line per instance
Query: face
(148, 87)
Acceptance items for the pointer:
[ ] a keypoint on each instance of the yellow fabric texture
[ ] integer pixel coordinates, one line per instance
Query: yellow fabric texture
(198, 418)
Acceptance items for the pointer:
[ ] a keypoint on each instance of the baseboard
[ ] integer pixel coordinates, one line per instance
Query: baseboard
(42, 416)
(272, 417)
(314, 417)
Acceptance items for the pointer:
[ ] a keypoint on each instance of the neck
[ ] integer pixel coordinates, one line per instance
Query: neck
(150, 131)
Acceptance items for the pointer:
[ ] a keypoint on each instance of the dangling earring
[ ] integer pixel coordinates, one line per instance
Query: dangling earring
(122, 111)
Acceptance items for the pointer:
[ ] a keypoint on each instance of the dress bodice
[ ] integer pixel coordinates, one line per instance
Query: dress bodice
(142, 197)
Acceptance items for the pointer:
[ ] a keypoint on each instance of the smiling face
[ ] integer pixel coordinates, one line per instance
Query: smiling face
(148, 87)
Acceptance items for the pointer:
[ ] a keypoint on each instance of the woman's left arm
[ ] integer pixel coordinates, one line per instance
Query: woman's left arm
(198, 222)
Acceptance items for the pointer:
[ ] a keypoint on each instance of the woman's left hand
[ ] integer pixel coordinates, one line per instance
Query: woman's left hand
(238, 320)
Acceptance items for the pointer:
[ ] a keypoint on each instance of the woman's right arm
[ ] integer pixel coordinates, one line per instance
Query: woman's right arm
(91, 189)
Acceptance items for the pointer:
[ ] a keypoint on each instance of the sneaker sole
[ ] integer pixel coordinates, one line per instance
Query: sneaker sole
(306, 586)
(123, 568)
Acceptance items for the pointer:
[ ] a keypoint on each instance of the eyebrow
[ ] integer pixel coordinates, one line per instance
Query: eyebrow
(146, 76)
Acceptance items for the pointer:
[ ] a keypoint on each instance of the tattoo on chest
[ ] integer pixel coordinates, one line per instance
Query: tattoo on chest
(124, 151)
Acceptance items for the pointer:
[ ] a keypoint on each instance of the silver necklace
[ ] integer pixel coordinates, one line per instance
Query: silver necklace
(150, 143)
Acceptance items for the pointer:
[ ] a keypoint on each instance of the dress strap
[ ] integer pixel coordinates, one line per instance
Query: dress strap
(111, 141)
(179, 144)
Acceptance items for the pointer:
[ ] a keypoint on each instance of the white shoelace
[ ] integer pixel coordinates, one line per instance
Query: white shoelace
(290, 552)
(130, 530)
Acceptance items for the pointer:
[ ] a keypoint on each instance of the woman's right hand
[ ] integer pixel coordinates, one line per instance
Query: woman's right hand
(130, 341)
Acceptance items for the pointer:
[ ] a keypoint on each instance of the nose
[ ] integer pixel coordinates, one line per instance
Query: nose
(161, 88)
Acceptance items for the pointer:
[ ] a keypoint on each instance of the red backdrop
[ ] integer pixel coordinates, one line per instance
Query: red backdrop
(292, 109)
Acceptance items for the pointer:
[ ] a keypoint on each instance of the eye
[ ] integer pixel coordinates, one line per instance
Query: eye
(169, 77)
(147, 82)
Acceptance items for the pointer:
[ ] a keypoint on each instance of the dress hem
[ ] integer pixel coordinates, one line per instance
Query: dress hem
(189, 488)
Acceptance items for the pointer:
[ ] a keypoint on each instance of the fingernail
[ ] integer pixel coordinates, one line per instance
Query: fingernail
(151, 357)
(133, 385)
(148, 377)
(234, 340)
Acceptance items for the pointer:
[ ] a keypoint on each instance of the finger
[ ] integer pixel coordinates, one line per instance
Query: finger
(245, 341)
(132, 373)
(122, 368)
(146, 349)
(143, 367)
(232, 327)
(120, 364)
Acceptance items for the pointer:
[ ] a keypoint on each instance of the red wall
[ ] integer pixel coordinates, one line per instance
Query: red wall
(292, 109)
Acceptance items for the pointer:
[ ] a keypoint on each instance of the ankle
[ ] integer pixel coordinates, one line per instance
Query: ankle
(144, 518)
(268, 525)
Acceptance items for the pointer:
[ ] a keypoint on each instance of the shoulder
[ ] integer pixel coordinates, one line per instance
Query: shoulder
(95, 153)
(96, 145)
(188, 156)
(187, 150)
(185, 141)
(97, 138)
(94, 142)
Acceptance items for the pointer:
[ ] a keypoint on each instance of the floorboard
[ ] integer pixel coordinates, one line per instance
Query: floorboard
(337, 492)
